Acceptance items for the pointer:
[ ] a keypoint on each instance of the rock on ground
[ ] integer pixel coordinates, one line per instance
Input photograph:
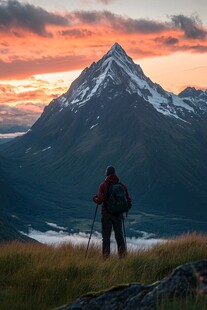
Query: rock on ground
(189, 279)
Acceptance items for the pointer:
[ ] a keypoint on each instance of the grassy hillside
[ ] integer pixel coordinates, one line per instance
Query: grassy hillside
(35, 276)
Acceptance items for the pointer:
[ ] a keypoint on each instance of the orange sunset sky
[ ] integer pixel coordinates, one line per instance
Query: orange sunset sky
(45, 45)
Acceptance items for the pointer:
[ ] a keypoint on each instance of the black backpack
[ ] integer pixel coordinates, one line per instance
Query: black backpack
(117, 202)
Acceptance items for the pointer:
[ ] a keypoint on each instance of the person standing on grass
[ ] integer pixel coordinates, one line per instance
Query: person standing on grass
(110, 219)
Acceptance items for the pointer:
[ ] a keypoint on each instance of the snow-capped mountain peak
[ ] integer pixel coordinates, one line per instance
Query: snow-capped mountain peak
(117, 69)
(197, 97)
(118, 55)
(116, 51)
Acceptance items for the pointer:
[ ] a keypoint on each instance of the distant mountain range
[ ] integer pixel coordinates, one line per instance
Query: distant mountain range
(114, 114)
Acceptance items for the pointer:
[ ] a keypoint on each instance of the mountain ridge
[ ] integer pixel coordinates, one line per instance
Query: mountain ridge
(159, 149)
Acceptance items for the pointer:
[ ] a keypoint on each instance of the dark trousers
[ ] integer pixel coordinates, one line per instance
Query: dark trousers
(109, 221)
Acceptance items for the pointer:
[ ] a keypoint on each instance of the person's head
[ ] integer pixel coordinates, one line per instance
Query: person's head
(110, 170)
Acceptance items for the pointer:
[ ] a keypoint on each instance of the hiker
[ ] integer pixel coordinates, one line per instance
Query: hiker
(109, 218)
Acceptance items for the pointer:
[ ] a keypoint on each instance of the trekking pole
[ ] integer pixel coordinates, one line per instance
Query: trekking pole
(91, 230)
(124, 232)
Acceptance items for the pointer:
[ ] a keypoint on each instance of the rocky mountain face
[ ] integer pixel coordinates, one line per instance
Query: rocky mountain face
(114, 114)
(196, 97)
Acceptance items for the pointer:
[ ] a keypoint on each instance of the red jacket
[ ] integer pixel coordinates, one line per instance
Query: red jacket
(103, 190)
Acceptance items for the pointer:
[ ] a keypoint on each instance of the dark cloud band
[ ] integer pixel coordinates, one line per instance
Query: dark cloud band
(167, 40)
(27, 16)
(127, 25)
(76, 33)
(15, 15)
(106, 1)
(190, 25)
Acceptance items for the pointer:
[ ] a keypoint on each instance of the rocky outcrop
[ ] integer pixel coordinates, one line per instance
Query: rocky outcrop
(189, 279)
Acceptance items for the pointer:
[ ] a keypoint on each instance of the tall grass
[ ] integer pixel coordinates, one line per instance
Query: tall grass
(35, 276)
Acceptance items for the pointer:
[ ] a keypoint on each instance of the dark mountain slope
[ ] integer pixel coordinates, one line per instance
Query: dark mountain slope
(114, 114)
(11, 203)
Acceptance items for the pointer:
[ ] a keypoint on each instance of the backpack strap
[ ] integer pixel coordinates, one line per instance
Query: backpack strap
(108, 185)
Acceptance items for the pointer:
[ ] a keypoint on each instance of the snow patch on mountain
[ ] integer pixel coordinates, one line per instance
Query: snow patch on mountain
(28, 150)
(46, 149)
(93, 126)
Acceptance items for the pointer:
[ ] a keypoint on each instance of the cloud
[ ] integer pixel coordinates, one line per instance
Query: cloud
(15, 15)
(77, 33)
(119, 23)
(21, 68)
(15, 117)
(56, 226)
(106, 1)
(167, 40)
(87, 3)
(58, 238)
(190, 25)
(197, 69)
(25, 94)
(199, 48)
(143, 26)
(73, 40)
(21, 103)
